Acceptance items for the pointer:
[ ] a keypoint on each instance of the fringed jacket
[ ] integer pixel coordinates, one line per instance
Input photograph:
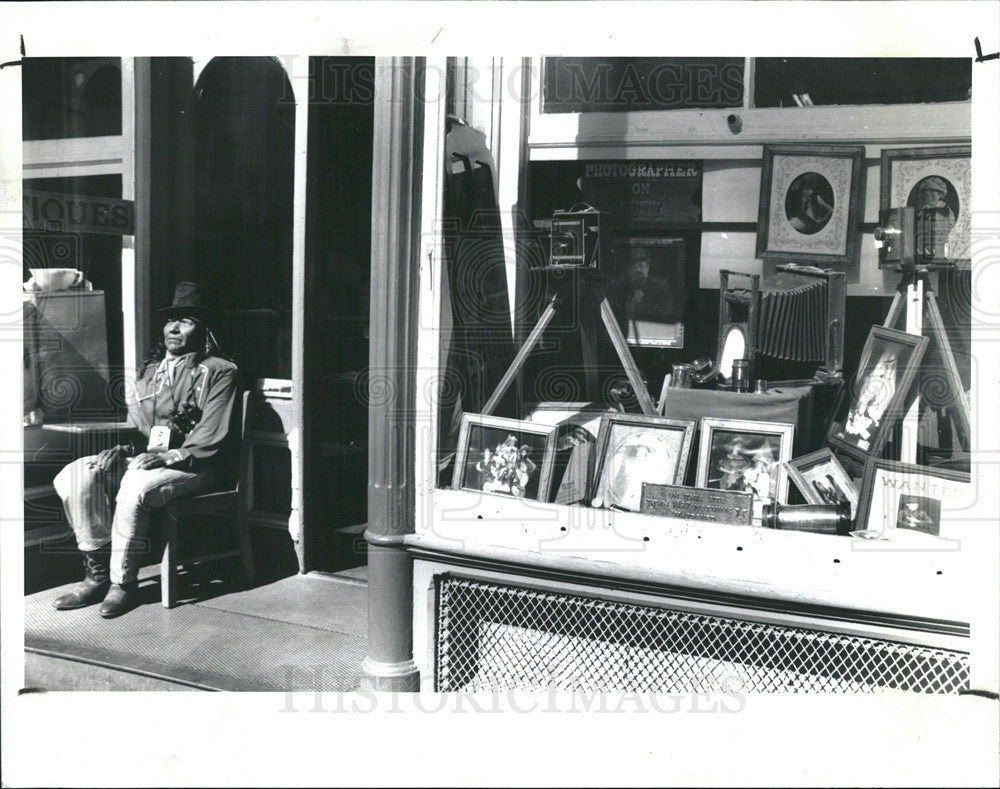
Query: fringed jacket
(195, 394)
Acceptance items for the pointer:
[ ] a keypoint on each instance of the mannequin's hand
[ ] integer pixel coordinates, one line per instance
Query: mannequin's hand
(108, 457)
(147, 460)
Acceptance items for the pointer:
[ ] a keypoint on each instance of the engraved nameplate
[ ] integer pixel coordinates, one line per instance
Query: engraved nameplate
(729, 507)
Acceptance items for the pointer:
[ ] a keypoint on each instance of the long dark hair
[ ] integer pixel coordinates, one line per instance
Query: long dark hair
(206, 343)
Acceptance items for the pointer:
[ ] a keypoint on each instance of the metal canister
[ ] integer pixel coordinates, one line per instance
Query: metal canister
(741, 375)
(821, 518)
(680, 377)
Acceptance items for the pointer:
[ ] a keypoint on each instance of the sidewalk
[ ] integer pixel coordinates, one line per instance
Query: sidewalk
(302, 632)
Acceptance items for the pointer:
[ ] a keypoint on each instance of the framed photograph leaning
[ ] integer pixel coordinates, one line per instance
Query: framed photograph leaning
(822, 480)
(899, 500)
(870, 407)
(504, 456)
(577, 426)
(937, 183)
(810, 196)
(738, 454)
(632, 449)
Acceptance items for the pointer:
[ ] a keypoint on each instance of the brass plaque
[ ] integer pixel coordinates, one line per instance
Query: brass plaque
(728, 507)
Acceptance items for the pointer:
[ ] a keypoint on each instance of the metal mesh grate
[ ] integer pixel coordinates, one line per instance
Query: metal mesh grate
(493, 637)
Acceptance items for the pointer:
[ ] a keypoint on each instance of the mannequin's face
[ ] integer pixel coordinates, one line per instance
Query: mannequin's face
(932, 196)
(180, 335)
(638, 272)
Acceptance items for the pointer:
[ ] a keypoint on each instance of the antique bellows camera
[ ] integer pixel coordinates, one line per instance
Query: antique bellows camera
(576, 240)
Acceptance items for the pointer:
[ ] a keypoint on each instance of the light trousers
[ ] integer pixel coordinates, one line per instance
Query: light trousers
(116, 505)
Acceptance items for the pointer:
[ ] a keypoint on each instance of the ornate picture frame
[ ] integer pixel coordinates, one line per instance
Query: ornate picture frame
(507, 457)
(633, 449)
(740, 454)
(868, 409)
(810, 198)
(944, 224)
(822, 480)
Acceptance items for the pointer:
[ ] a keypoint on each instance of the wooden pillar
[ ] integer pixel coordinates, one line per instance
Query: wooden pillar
(396, 184)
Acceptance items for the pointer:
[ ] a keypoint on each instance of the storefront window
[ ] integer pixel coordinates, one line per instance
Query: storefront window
(636, 84)
(68, 225)
(798, 82)
(582, 85)
(71, 97)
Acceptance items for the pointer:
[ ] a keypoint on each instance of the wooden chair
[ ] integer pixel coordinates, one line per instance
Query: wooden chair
(229, 503)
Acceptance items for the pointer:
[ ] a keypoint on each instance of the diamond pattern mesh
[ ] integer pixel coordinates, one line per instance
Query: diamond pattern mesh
(493, 637)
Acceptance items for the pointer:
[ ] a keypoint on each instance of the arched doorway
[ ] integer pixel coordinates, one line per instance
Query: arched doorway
(244, 135)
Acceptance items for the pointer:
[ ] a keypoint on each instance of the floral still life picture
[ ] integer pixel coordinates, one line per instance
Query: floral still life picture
(507, 468)
(504, 456)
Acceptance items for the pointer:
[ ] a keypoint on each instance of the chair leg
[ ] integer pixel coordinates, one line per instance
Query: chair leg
(246, 553)
(168, 565)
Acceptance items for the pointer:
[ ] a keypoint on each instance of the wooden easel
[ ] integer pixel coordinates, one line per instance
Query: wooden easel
(920, 302)
(589, 288)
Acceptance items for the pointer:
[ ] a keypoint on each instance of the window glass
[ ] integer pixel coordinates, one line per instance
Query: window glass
(51, 243)
(575, 84)
(792, 82)
(71, 97)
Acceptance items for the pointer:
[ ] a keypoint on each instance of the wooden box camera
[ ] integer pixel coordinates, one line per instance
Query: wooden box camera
(576, 239)
(895, 237)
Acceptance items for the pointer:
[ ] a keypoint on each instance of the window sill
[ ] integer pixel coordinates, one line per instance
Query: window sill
(796, 567)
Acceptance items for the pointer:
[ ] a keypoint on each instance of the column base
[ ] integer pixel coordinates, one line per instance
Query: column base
(390, 677)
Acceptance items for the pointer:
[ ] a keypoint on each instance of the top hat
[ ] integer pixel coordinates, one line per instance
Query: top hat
(190, 301)
(639, 254)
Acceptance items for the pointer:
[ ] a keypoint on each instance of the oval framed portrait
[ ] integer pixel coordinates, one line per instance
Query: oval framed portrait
(809, 203)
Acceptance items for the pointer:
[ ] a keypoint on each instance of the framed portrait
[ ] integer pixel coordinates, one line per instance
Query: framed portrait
(577, 426)
(937, 184)
(810, 196)
(633, 449)
(822, 480)
(899, 500)
(506, 457)
(869, 408)
(648, 290)
(743, 455)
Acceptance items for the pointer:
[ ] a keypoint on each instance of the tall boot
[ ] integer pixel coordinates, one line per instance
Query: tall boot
(121, 599)
(94, 585)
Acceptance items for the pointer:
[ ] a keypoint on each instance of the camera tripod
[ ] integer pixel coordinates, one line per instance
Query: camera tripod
(593, 296)
(919, 301)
